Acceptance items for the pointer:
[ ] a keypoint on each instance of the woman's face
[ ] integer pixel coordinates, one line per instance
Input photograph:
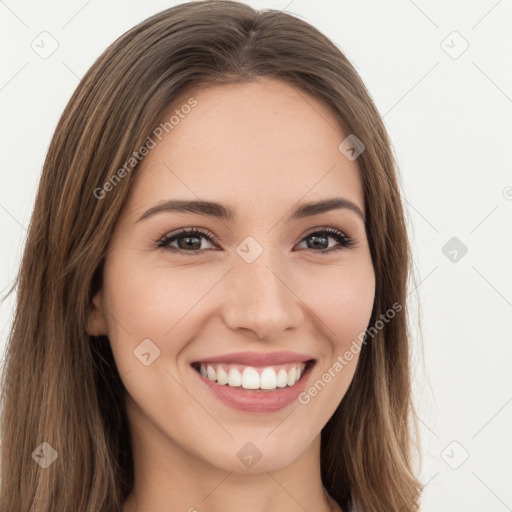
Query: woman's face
(264, 281)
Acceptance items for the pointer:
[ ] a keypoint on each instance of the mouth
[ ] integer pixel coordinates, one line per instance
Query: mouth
(255, 379)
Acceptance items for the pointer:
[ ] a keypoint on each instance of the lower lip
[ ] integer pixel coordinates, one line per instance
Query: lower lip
(257, 400)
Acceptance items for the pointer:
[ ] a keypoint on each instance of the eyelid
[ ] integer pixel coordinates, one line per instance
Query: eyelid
(348, 241)
(193, 229)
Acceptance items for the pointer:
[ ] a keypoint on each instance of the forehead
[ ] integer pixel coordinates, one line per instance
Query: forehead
(263, 143)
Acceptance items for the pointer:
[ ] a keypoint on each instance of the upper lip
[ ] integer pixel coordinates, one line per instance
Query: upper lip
(258, 358)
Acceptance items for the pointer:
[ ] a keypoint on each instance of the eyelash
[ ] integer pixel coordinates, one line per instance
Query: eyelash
(345, 241)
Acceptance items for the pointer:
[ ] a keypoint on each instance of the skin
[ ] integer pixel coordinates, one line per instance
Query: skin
(259, 148)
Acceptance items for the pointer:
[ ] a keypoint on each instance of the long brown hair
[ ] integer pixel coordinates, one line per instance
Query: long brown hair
(61, 386)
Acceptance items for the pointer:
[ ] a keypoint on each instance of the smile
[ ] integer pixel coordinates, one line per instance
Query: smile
(254, 389)
(250, 377)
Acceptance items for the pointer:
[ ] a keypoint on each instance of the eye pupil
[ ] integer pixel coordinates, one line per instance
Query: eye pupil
(323, 240)
(188, 244)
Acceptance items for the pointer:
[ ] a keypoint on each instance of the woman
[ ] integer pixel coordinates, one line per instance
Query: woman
(211, 301)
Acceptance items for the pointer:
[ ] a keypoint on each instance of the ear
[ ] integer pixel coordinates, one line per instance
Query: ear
(96, 322)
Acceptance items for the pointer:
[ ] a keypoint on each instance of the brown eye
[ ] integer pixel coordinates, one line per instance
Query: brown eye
(319, 241)
(188, 241)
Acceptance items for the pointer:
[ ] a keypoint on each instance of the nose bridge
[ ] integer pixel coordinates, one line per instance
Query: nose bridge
(260, 299)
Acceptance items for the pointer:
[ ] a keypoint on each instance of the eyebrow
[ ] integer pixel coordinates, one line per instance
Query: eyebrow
(217, 210)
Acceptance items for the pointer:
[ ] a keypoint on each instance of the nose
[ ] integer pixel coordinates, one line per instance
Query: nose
(259, 297)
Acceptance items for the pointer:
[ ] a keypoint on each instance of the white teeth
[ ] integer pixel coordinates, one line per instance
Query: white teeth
(211, 373)
(222, 376)
(268, 379)
(291, 376)
(250, 378)
(282, 378)
(235, 378)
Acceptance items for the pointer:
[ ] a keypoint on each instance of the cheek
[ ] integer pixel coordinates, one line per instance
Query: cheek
(142, 303)
(155, 302)
(341, 298)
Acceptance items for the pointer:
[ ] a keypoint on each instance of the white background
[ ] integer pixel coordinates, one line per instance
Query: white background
(450, 120)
